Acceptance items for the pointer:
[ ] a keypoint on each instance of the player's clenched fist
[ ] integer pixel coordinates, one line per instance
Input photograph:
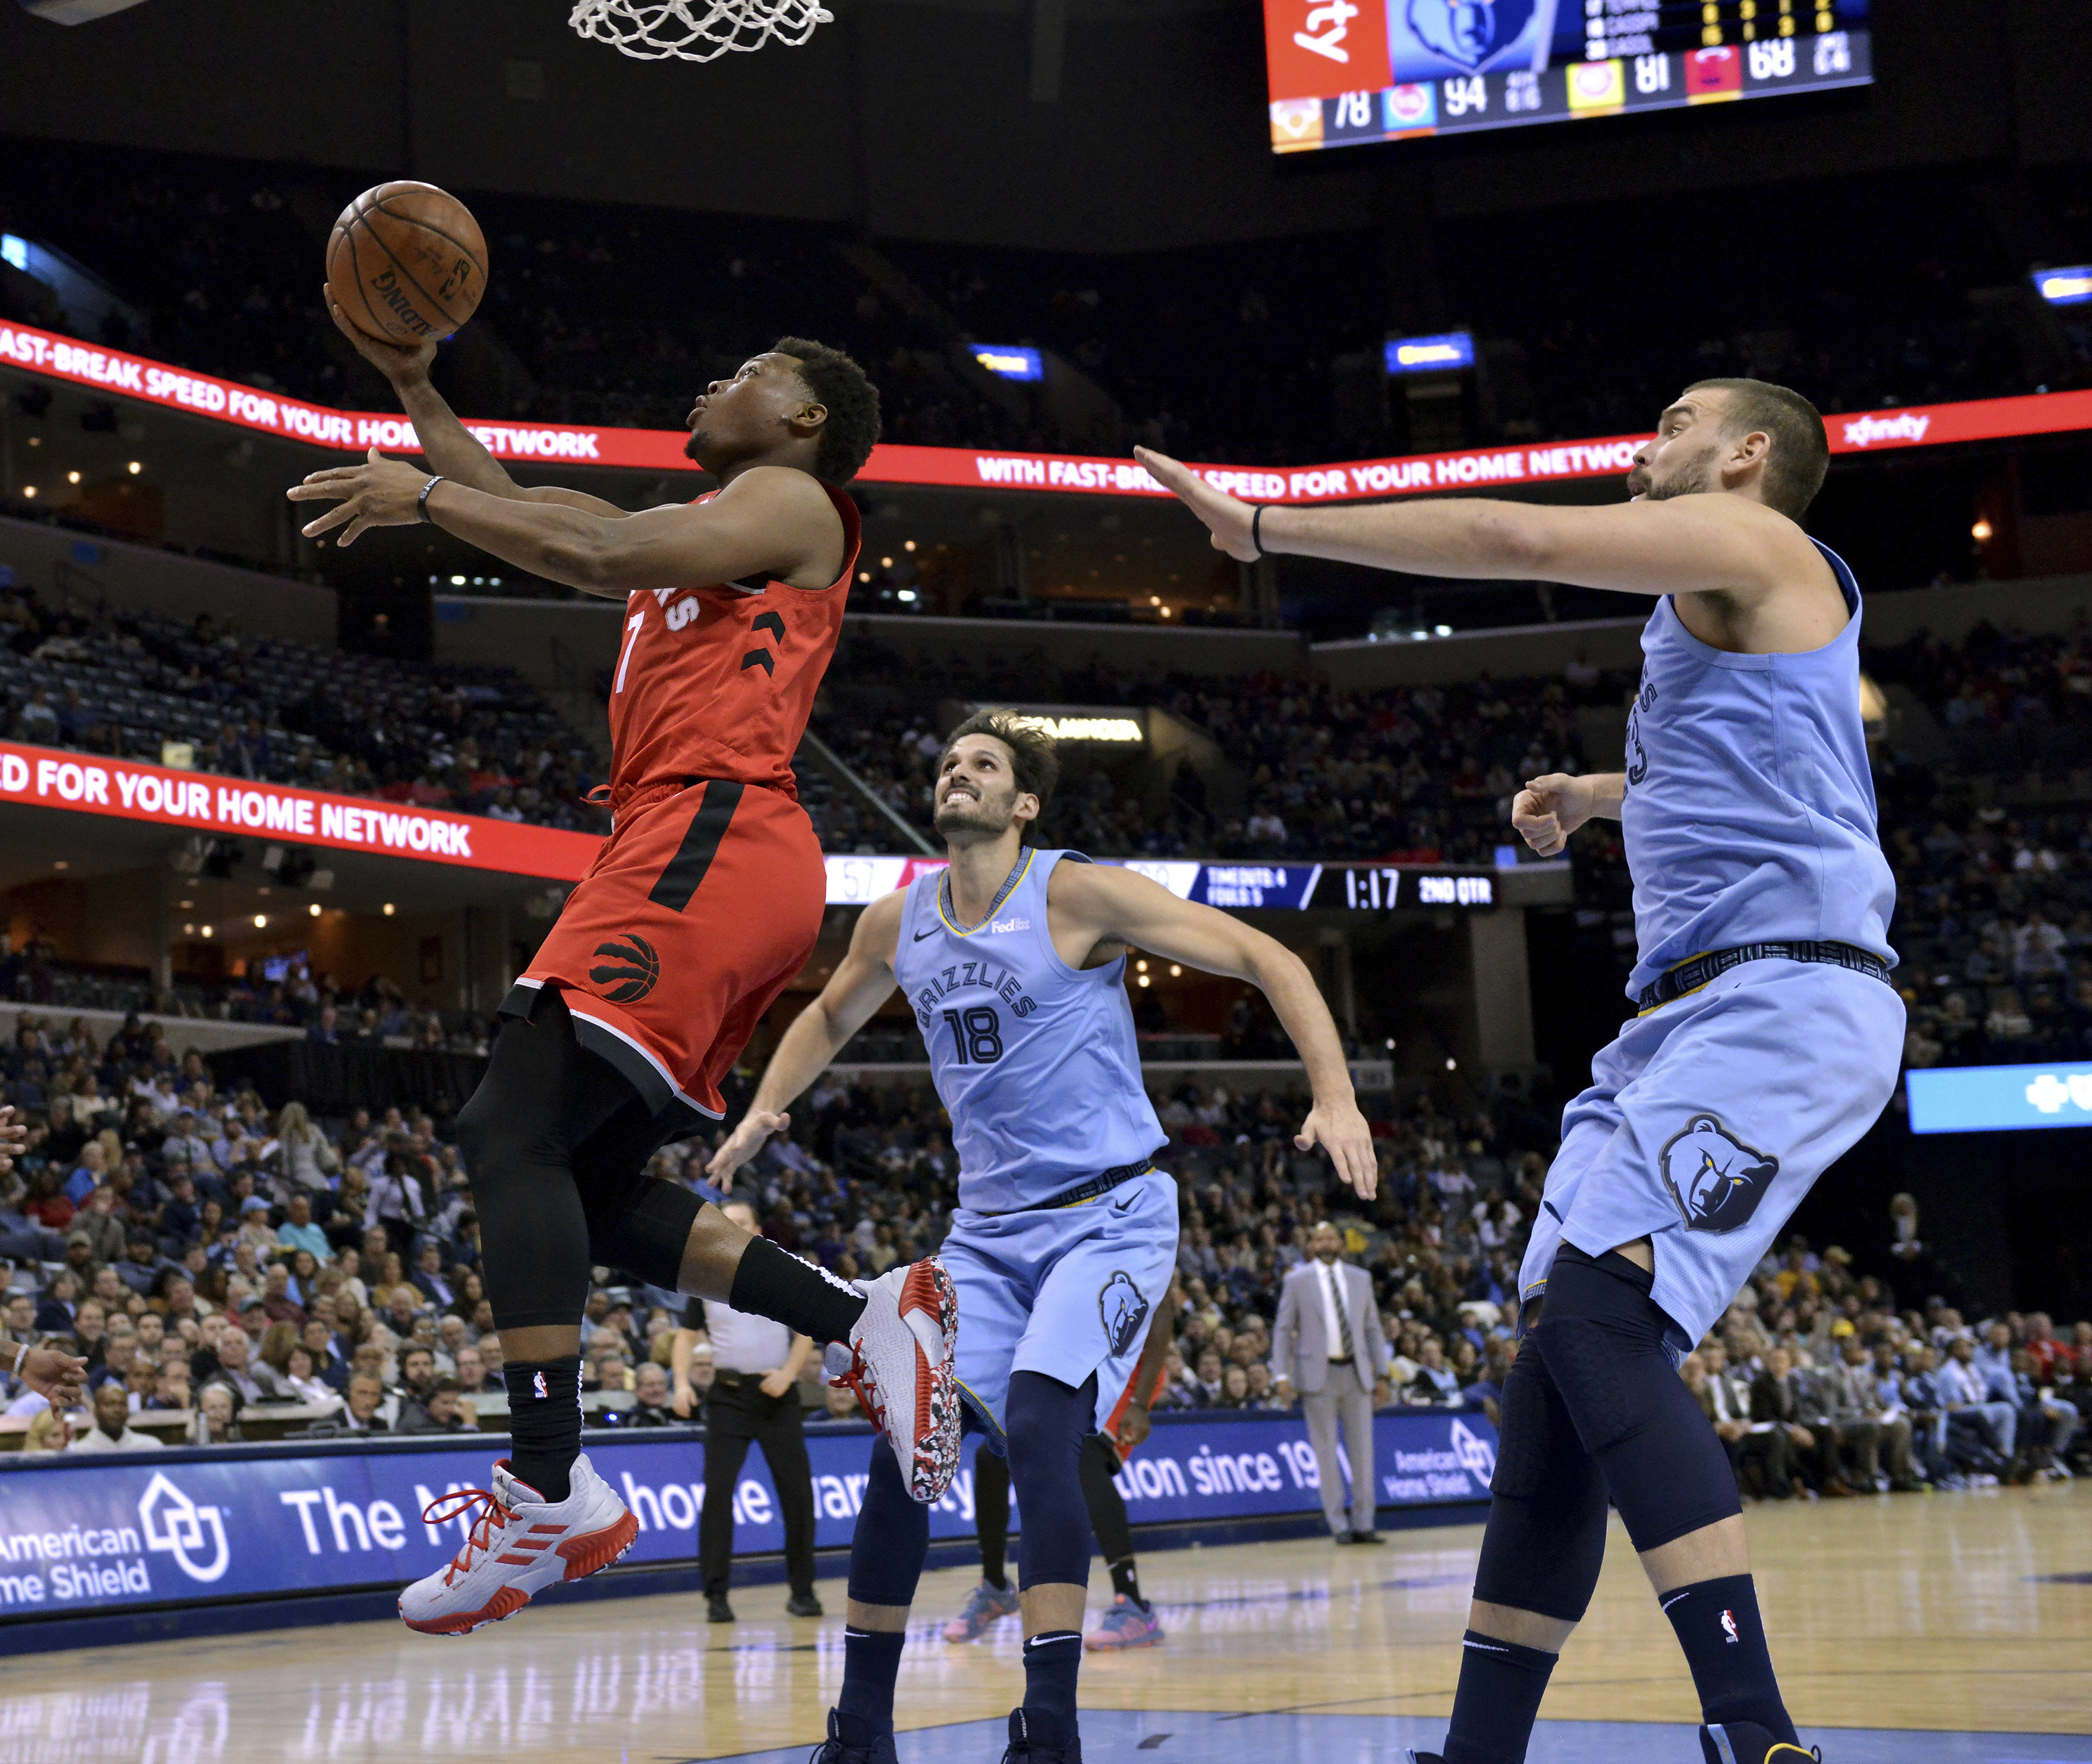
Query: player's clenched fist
(1550, 808)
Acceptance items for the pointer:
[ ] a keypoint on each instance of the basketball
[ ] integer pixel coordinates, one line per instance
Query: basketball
(407, 262)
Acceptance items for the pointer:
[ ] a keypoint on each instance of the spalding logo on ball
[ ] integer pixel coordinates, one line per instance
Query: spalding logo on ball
(407, 263)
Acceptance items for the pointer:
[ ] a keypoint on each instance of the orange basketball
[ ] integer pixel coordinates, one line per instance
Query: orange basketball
(407, 262)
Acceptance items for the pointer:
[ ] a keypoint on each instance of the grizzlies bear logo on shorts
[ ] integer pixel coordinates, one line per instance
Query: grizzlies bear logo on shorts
(1715, 1179)
(1123, 1309)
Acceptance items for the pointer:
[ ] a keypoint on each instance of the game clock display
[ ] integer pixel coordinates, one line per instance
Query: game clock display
(1344, 72)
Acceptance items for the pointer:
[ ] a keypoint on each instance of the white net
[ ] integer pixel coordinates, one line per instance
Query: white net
(696, 30)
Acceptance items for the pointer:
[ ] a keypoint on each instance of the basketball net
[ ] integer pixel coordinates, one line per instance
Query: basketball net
(696, 30)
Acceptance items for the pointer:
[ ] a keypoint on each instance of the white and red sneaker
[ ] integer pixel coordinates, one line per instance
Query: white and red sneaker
(898, 1361)
(519, 1546)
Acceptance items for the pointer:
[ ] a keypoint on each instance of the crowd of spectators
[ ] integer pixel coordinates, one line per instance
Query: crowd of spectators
(217, 1262)
(433, 735)
(1994, 898)
(1427, 771)
(1860, 292)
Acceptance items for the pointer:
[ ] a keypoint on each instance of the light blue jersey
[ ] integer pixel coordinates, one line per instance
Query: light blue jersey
(1750, 811)
(1035, 1061)
(1749, 817)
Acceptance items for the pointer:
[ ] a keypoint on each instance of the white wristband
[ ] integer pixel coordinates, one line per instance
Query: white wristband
(21, 1354)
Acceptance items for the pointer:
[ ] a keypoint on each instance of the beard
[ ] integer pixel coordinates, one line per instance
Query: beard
(1688, 484)
(971, 814)
(691, 447)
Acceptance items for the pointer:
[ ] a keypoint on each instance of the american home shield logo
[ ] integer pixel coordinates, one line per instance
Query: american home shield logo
(194, 1535)
(1469, 32)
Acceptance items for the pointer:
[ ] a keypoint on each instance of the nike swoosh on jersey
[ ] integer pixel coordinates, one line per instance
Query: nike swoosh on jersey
(931, 932)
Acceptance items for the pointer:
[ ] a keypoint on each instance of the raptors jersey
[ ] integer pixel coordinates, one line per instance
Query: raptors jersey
(719, 681)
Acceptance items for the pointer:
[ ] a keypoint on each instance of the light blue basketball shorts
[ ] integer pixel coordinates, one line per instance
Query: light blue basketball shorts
(1066, 1292)
(1709, 1119)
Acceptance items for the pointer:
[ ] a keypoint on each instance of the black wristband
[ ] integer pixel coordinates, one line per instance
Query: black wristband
(1255, 529)
(421, 502)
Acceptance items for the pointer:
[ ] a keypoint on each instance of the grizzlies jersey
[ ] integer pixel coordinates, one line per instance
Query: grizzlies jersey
(1036, 1060)
(1749, 815)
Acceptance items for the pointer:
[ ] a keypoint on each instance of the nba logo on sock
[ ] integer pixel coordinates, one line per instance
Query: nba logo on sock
(538, 1390)
(1729, 1627)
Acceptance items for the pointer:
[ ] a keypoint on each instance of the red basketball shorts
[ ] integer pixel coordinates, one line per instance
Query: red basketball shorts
(698, 911)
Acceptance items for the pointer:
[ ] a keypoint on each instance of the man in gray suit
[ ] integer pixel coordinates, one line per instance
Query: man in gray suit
(1328, 1345)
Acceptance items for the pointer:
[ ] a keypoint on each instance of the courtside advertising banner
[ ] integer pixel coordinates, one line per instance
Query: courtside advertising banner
(661, 450)
(93, 1535)
(204, 802)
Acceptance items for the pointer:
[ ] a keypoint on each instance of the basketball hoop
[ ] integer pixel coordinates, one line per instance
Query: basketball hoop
(696, 30)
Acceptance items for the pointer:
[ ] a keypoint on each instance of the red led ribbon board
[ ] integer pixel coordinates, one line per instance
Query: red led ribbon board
(661, 450)
(203, 802)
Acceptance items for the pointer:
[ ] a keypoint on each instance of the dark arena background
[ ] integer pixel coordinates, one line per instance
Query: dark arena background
(281, 822)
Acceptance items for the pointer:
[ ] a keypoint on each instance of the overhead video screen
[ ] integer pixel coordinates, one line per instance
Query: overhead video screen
(1346, 72)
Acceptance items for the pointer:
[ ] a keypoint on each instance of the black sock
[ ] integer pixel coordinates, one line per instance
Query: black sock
(1724, 1640)
(544, 1421)
(805, 1300)
(1051, 1662)
(872, 1661)
(994, 1573)
(1126, 1579)
(1498, 1701)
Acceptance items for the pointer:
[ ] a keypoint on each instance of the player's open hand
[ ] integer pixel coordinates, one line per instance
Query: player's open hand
(745, 1142)
(1227, 517)
(1549, 809)
(396, 363)
(378, 493)
(60, 1378)
(14, 1137)
(1341, 1130)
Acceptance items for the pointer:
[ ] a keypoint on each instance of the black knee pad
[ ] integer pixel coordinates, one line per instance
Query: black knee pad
(1046, 1422)
(1547, 1535)
(892, 1535)
(1526, 1421)
(647, 1236)
(1604, 1341)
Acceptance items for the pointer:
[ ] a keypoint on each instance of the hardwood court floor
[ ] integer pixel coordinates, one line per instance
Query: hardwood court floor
(1943, 1629)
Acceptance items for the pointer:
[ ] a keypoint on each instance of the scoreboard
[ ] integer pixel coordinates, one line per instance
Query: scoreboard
(1345, 73)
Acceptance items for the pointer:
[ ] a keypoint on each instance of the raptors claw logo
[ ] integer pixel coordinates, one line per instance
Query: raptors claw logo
(1715, 1180)
(632, 971)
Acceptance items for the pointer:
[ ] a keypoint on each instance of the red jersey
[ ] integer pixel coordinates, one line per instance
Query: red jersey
(719, 681)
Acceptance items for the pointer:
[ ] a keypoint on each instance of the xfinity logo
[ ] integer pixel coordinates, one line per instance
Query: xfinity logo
(1864, 431)
(175, 1523)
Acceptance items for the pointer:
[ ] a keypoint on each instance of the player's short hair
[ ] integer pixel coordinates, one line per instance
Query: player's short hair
(848, 436)
(1033, 761)
(1800, 453)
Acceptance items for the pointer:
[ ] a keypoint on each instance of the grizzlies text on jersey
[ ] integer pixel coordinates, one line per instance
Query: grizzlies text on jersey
(1035, 1061)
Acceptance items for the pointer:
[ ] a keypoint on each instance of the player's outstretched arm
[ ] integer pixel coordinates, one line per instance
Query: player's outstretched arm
(1122, 906)
(452, 450)
(861, 983)
(769, 521)
(1552, 807)
(1711, 543)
